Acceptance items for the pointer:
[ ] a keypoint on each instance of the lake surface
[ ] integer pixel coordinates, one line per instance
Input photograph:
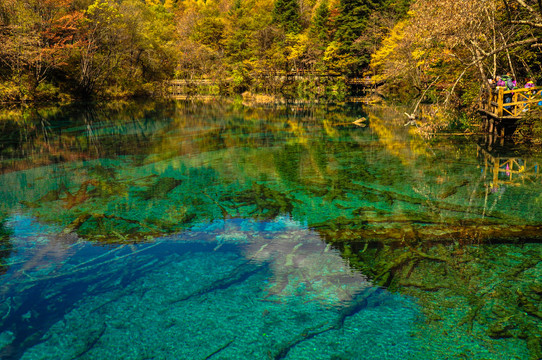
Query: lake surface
(211, 230)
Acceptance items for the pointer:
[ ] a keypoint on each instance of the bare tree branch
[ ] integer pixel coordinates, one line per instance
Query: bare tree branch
(526, 6)
(526, 22)
(531, 41)
(537, 14)
(455, 84)
(508, 57)
(477, 47)
(479, 59)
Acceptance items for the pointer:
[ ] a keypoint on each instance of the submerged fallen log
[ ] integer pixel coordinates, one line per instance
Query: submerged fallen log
(470, 234)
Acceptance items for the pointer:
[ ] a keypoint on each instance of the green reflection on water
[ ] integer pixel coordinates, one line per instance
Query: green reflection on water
(444, 220)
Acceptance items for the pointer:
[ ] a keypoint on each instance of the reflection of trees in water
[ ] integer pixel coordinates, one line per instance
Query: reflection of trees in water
(33, 137)
(43, 136)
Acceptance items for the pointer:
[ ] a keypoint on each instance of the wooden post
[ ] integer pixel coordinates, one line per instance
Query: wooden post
(492, 95)
(516, 108)
(500, 99)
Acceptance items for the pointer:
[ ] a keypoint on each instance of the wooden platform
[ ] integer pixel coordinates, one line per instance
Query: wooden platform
(489, 113)
(502, 108)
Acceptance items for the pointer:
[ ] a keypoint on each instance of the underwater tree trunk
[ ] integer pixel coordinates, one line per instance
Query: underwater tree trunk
(442, 233)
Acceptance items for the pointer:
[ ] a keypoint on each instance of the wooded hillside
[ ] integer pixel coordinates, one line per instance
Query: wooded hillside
(65, 49)
(52, 48)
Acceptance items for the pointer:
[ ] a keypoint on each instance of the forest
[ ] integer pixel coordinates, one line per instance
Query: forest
(62, 50)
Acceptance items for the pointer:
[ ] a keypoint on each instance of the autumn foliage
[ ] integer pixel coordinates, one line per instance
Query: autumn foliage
(64, 49)
(52, 49)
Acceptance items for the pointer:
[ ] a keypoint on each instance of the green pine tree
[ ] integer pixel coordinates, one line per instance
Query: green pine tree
(287, 15)
(352, 20)
(320, 27)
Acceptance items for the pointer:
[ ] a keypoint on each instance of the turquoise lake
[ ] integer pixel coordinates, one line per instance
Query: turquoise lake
(213, 230)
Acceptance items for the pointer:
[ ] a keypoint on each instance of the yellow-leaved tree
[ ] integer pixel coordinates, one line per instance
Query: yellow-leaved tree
(457, 44)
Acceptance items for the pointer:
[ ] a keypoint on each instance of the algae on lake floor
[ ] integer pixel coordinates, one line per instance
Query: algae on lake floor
(480, 291)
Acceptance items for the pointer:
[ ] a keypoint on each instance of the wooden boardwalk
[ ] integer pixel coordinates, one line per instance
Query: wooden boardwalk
(503, 108)
(179, 87)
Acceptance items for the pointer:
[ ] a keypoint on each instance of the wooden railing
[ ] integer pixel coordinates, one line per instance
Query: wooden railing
(510, 103)
(178, 86)
(363, 81)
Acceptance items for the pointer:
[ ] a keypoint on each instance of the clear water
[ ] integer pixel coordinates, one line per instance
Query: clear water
(214, 231)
